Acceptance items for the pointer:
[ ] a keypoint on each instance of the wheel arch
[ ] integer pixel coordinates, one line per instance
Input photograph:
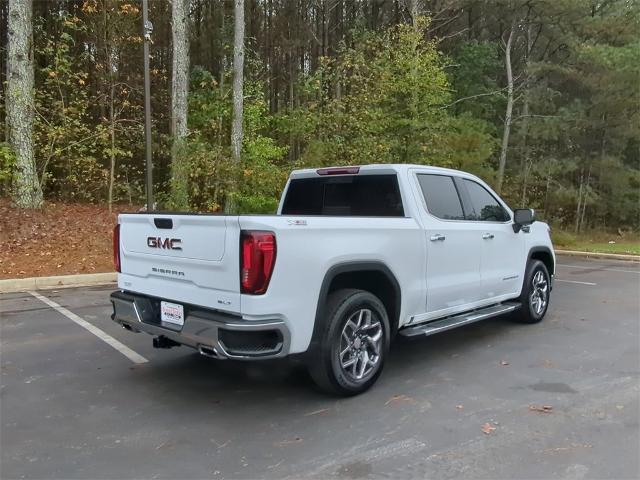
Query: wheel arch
(545, 256)
(372, 276)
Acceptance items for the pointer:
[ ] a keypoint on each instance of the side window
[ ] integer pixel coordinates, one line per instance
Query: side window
(441, 196)
(484, 207)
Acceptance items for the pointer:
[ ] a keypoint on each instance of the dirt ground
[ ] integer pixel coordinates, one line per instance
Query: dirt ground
(60, 239)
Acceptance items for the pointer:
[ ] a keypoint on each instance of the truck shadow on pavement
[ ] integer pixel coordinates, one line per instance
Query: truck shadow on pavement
(200, 379)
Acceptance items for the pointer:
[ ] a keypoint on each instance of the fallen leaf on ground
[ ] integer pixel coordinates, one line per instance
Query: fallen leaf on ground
(573, 446)
(399, 398)
(284, 443)
(541, 408)
(487, 428)
(221, 445)
(316, 412)
(78, 234)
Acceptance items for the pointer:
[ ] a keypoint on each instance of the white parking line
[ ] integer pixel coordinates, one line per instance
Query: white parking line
(599, 269)
(574, 281)
(105, 337)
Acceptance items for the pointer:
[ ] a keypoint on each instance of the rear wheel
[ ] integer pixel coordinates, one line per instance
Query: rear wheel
(536, 293)
(354, 343)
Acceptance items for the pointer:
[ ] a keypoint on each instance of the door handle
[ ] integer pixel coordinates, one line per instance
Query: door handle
(487, 236)
(437, 238)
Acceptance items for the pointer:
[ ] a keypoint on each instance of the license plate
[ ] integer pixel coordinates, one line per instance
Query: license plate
(172, 313)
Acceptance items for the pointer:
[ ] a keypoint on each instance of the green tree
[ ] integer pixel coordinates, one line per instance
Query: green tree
(207, 153)
(392, 106)
(66, 142)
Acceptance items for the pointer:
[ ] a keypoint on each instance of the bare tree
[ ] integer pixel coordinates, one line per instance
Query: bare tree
(179, 101)
(19, 102)
(238, 83)
(527, 164)
(508, 114)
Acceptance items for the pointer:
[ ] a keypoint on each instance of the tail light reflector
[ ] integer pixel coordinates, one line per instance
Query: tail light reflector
(116, 248)
(258, 257)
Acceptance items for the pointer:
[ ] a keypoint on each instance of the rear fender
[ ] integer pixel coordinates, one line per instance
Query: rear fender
(352, 267)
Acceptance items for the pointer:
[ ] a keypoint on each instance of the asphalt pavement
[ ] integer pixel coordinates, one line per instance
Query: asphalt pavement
(82, 398)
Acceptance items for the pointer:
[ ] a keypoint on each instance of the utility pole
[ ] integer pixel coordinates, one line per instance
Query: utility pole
(147, 30)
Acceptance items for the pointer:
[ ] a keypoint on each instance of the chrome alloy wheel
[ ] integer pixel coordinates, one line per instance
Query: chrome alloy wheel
(360, 345)
(539, 292)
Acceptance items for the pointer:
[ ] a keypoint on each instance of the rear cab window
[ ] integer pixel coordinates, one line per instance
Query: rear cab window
(344, 195)
(441, 196)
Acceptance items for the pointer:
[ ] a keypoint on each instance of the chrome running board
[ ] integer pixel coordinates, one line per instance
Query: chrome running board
(447, 323)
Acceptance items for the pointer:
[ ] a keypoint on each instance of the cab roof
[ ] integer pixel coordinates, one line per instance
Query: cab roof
(377, 168)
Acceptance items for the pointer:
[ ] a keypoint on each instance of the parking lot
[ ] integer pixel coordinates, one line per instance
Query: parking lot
(492, 400)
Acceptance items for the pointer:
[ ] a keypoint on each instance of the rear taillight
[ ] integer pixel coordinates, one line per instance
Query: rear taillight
(257, 258)
(116, 247)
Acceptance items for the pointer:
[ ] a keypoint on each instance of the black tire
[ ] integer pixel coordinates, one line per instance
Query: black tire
(536, 293)
(326, 364)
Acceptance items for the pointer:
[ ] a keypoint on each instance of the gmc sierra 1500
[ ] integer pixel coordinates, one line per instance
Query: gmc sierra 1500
(354, 256)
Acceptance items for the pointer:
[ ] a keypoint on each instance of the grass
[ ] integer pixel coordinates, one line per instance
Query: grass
(597, 242)
(621, 248)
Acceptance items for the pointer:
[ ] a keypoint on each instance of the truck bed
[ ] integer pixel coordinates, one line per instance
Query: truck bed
(204, 270)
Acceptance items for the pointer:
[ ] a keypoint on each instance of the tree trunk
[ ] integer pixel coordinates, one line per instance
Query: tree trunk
(223, 67)
(238, 101)
(584, 200)
(414, 11)
(19, 103)
(577, 227)
(112, 154)
(546, 193)
(507, 117)
(110, 57)
(527, 163)
(179, 93)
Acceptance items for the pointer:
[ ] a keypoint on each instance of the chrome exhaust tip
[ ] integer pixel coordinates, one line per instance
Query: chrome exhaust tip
(208, 351)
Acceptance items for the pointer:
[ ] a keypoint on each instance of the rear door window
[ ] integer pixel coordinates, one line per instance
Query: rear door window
(345, 195)
(441, 196)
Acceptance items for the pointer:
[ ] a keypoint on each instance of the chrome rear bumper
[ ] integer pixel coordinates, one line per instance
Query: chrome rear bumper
(212, 333)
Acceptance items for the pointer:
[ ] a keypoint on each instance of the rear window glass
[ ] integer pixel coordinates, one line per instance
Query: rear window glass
(441, 196)
(345, 195)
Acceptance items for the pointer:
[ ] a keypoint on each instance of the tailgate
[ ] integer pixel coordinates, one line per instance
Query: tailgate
(185, 258)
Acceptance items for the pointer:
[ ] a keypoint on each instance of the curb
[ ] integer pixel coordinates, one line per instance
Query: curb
(92, 279)
(611, 256)
(61, 281)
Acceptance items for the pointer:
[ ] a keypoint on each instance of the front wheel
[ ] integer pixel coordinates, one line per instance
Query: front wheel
(354, 343)
(536, 293)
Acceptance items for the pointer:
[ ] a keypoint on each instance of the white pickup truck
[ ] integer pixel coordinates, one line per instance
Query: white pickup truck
(354, 257)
